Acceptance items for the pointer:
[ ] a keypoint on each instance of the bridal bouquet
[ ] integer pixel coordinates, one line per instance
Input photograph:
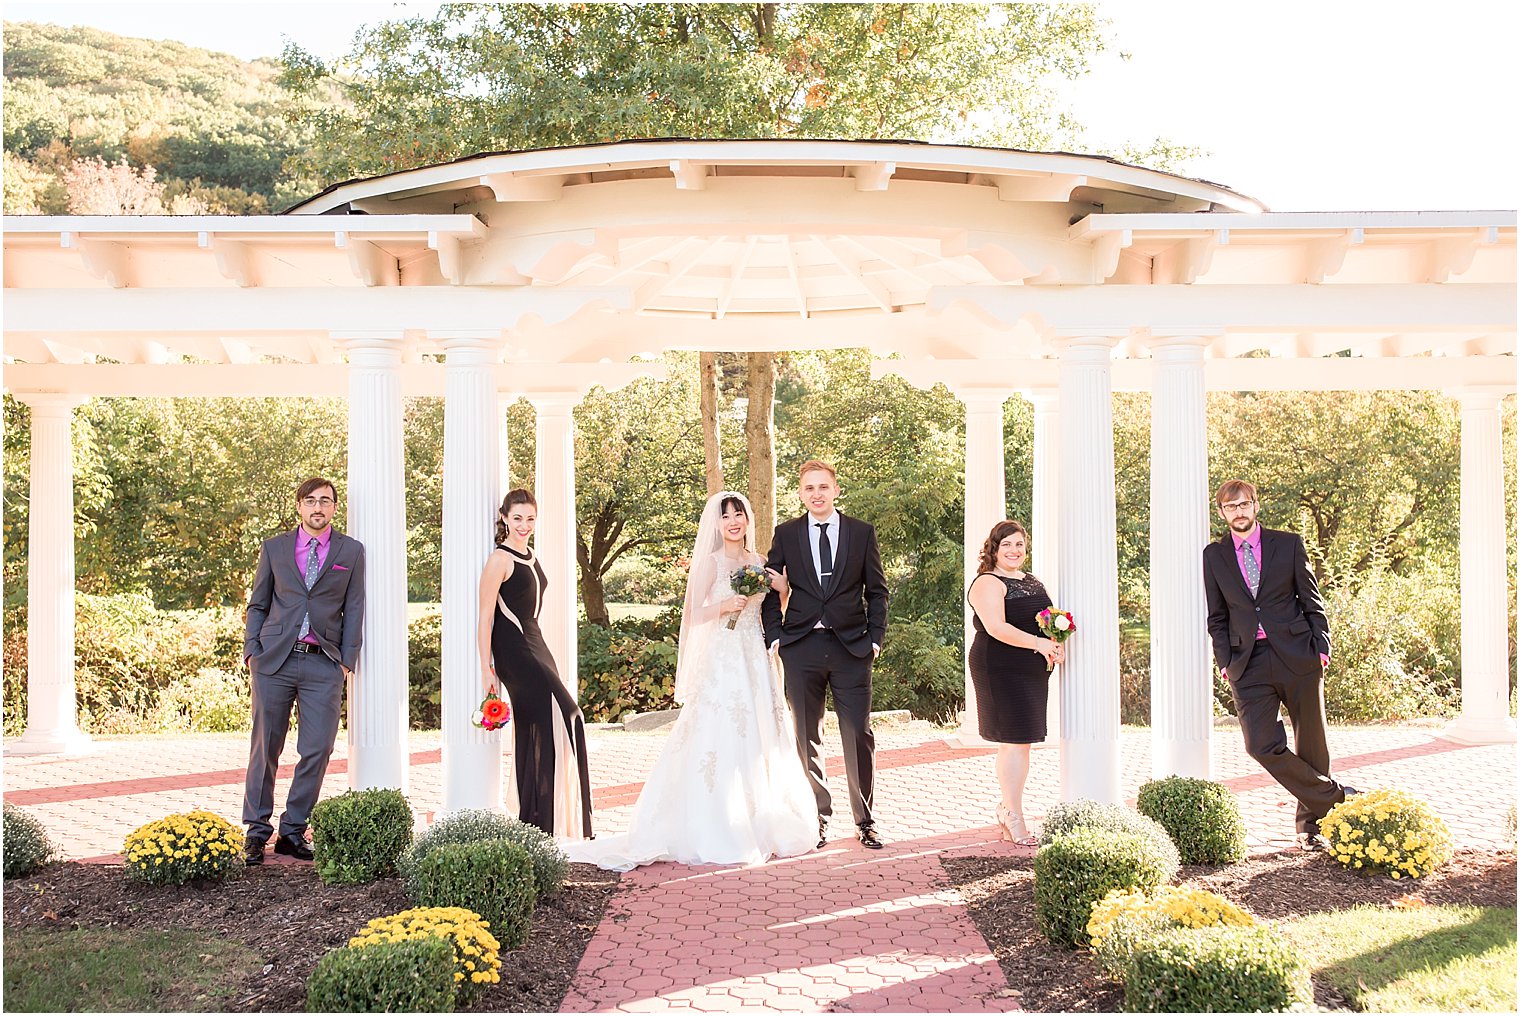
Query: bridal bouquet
(493, 714)
(1058, 626)
(747, 581)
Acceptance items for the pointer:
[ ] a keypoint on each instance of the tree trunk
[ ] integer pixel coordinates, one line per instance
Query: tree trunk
(759, 438)
(711, 450)
(593, 591)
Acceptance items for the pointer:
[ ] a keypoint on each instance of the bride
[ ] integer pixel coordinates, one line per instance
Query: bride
(728, 787)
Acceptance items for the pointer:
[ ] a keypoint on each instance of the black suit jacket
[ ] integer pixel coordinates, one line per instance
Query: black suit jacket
(855, 602)
(1287, 604)
(279, 599)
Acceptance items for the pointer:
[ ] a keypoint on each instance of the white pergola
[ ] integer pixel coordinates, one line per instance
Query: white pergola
(1060, 278)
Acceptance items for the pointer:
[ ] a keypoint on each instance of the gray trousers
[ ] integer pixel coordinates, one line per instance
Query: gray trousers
(315, 683)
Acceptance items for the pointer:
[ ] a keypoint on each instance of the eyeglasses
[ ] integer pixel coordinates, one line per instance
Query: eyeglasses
(1235, 506)
(318, 502)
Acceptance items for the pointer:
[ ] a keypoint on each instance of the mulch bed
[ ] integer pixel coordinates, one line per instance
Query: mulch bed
(999, 892)
(287, 916)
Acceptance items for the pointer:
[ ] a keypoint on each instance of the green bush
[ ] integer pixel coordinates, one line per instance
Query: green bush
(1201, 817)
(425, 671)
(472, 825)
(637, 578)
(357, 836)
(1216, 970)
(1069, 816)
(919, 671)
(1074, 872)
(494, 878)
(629, 667)
(27, 846)
(1509, 824)
(209, 701)
(415, 975)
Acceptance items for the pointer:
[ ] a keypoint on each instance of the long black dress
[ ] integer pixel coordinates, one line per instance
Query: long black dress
(553, 781)
(1011, 683)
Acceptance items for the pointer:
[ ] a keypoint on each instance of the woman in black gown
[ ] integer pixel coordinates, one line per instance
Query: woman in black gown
(1009, 659)
(553, 781)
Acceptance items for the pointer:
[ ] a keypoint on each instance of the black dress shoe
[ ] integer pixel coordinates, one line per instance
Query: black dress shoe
(253, 849)
(293, 846)
(823, 832)
(1312, 842)
(868, 837)
(1348, 792)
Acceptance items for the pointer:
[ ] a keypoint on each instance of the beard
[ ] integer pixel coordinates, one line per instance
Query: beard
(1242, 525)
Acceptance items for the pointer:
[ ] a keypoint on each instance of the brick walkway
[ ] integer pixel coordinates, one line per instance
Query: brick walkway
(842, 929)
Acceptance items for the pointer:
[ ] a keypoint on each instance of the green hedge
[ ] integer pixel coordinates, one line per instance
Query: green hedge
(416, 975)
(357, 836)
(494, 878)
(1075, 871)
(1201, 817)
(1069, 816)
(27, 845)
(1216, 970)
(475, 824)
(629, 667)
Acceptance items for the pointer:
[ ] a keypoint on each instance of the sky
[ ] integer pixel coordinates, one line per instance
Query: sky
(1341, 106)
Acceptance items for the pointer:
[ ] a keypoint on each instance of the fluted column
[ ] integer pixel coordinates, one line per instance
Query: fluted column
(377, 691)
(1181, 668)
(1044, 523)
(1089, 572)
(1485, 715)
(52, 712)
(555, 542)
(986, 505)
(471, 476)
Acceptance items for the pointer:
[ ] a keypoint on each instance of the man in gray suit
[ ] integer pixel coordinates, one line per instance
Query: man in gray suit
(305, 624)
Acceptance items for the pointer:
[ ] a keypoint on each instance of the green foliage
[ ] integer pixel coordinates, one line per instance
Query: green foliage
(415, 975)
(1216, 970)
(641, 578)
(1201, 817)
(1075, 871)
(1509, 824)
(27, 845)
(492, 877)
(919, 671)
(474, 78)
(472, 825)
(424, 641)
(1068, 816)
(629, 666)
(211, 700)
(357, 836)
(1390, 635)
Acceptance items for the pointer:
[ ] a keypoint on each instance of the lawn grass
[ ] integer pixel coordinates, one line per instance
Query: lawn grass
(113, 970)
(1421, 959)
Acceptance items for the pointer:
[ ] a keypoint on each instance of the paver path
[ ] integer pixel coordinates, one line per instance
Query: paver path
(843, 929)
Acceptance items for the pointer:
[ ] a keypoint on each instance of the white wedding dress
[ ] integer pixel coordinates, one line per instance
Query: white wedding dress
(729, 787)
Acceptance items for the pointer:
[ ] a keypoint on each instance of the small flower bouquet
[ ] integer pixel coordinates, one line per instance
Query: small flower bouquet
(493, 714)
(1058, 626)
(747, 581)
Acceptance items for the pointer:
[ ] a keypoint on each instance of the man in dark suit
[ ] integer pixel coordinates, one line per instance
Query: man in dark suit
(301, 641)
(1272, 643)
(835, 622)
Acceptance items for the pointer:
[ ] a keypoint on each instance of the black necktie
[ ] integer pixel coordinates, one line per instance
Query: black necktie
(825, 554)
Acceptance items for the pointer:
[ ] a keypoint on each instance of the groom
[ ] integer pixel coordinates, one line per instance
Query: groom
(836, 619)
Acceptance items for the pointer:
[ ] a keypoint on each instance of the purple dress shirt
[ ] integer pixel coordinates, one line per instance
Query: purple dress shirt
(303, 546)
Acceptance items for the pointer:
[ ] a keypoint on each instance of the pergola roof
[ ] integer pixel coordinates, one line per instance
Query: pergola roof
(600, 253)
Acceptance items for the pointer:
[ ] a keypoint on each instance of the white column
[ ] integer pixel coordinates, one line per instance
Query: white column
(986, 505)
(1181, 681)
(555, 542)
(1045, 531)
(471, 474)
(377, 692)
(1089, 572)
(1485, 715)
(52, 713)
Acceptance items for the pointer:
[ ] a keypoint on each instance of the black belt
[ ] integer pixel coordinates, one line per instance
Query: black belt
(306, 647)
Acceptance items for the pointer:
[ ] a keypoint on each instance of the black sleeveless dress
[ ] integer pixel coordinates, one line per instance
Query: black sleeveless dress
(1011, 683)
(553, 780)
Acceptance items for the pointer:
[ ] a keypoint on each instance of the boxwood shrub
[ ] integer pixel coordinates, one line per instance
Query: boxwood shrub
(27, 846)
(1216, 970)
(1067, 816)
(1074, 872)
(1201, 817)
(471, 825)
(494, 878)
(357, 836)
(414, 975)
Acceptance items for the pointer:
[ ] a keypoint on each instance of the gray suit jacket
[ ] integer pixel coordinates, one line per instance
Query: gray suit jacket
(279, 599)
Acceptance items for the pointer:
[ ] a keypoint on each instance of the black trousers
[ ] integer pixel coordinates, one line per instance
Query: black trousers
(814, 664)
(1265, 685)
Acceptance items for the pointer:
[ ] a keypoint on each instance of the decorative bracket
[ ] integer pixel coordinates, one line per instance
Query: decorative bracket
(1325, 257)
(369, 263)
(233, 260)
(103, 259)
(873, 176)
(689, 175)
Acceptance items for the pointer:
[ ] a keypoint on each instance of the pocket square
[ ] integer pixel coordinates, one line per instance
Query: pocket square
(340, 567)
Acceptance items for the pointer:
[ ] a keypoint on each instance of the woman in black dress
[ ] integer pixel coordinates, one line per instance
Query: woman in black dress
(553, 781)
(1009, 659)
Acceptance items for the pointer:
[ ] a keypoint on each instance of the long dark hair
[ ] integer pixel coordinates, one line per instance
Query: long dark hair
(519, 495)
(1000, 532)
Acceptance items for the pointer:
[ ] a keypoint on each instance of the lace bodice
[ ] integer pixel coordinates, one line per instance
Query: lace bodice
(723, 588)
